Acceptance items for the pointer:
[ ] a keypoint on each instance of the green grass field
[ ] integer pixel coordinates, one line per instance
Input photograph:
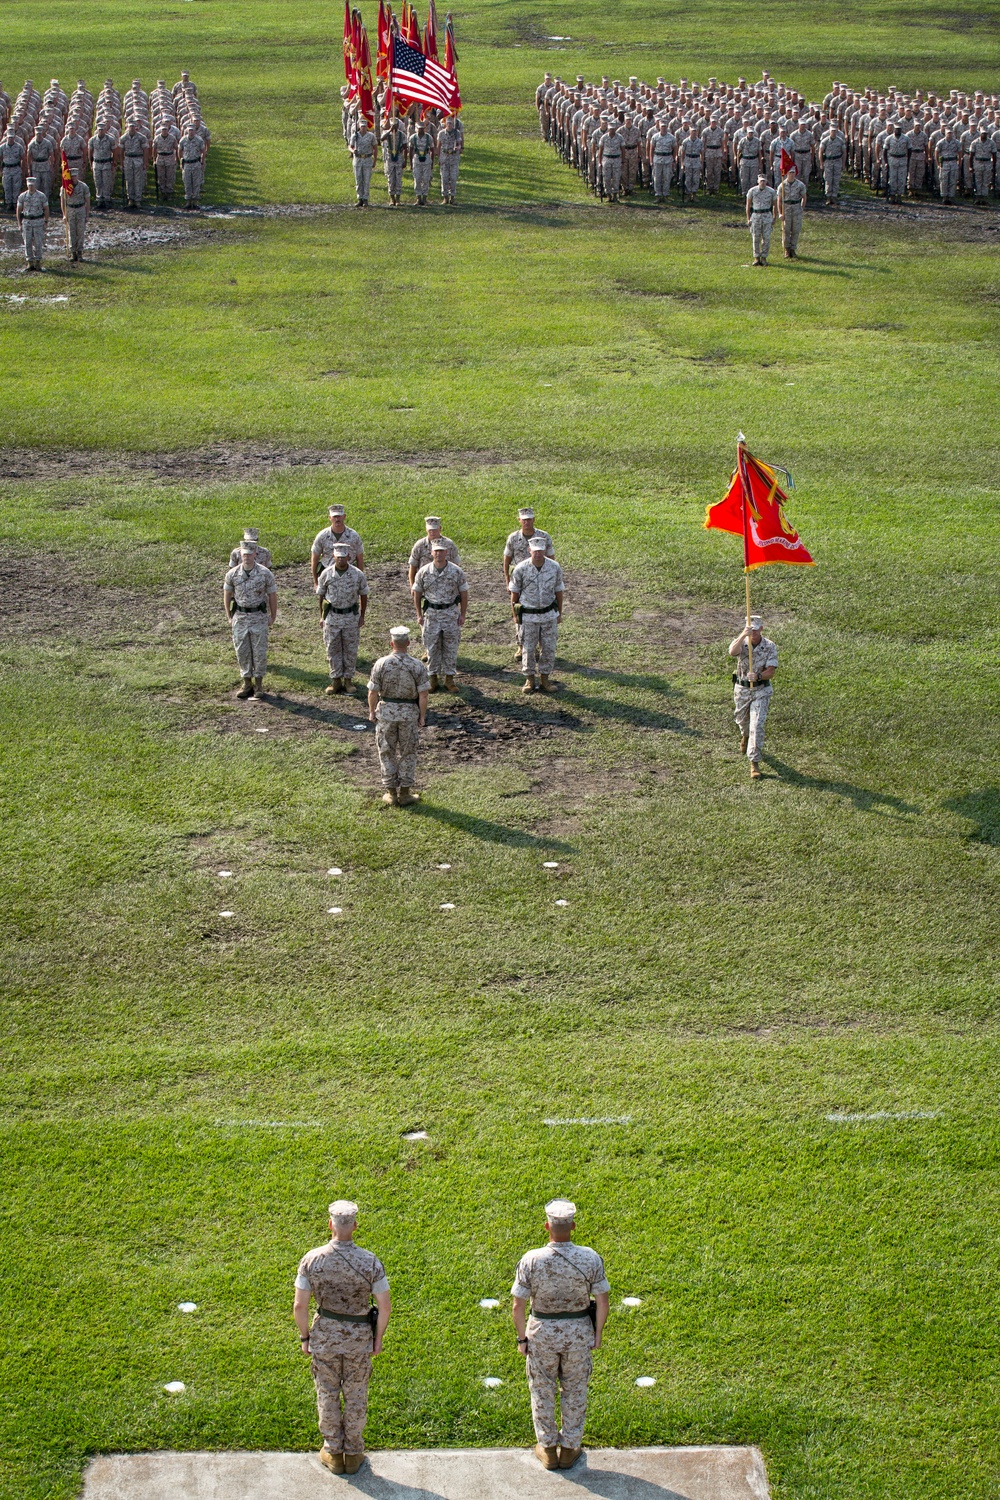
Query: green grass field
(785, 994)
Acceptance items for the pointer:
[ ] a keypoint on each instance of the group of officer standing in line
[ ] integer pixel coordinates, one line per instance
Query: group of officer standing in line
(42, 133)
(560, 1304)
(626, 136)
(399, 683)
(417, 140)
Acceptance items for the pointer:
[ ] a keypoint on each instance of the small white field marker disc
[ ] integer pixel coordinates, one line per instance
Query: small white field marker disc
(444, 867)
(262, 731)
(187, 1307)
(225, 874)
(334, 911)
(562, 903)
(551, 864)
(631, 1302)
(359, 726)
(175, 1387)
(227, 914)
(335, 870)
(447, 906)
(645, 1381)
(488, 1302)
(415, 1135)
(491, 1382)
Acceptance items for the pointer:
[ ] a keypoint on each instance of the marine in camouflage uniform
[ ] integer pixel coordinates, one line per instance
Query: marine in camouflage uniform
(517, 550)
(422, 163)
(343, 598)
(752, 695)
(761, 208)
(558, 1337)
(394, 158)
(252, 534)
(343, 1280)
(791, 203)
(32, 211)
(441, 596)
(449, 145)
(75, 210)
(191, 159)
(364, 150)
(250, 598)
(397, 706)
(12, 159)
(327, 539)
(103, 151)
(536, 592)
(420, 553)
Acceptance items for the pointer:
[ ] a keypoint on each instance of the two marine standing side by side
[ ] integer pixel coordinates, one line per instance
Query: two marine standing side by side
(560, 1306)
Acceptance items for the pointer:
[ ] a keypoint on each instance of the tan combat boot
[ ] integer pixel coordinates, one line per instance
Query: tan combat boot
(332, 1461)
(545, 685)
(258, 684)
(407, 797)
(529, 685)
(246, 691)
(754, 770)
(353, 1462)
(449, 684)
(568, 1457)
(434, 682)
(391, 797)
(334, 687)
(547, 1457)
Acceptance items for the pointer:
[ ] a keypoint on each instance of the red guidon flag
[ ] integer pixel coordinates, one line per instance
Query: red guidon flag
(415, 77)
(787, 160)
(754, 510)
(382, 43)
(348, 44)
(67, 180)
(450, 59)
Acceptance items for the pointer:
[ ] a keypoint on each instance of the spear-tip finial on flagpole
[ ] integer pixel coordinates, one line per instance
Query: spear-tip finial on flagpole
(741, 438)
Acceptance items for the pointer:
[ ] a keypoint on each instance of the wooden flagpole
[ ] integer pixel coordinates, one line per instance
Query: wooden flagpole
(740, 442)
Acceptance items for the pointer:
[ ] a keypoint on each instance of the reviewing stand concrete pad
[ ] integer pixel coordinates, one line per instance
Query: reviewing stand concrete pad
(434, 1474)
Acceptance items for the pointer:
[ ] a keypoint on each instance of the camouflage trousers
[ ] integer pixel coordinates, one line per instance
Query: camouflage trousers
(713, 169)
(194, 176)
(539, 631)
(422, 181)
(948, 172)
(761, 229)
(751, 706)
(803, 165)
(559, 1357)
(791, 227)
(749, 166)
(135, 178)
(250, 641)
(449, 174)
(76, 223)
(897, 176)
(104, 180)
(33, 234)
(397, 741)
(611, 169)
(441, 634)
(831, 176)
(916, 171)
(363, 177)
(341, 1369)
(982, 175)
(692, 174)
(166, 175)
(630, 168)
(393, 176)
(13, 185)
(663, 172)
(340, 637)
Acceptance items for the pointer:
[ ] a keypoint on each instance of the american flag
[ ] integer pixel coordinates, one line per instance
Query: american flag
(414, 76)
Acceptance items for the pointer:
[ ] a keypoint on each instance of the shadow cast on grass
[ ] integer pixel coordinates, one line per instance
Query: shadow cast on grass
(650, 682)
(864, 799)
(982, 808)
(490, 833)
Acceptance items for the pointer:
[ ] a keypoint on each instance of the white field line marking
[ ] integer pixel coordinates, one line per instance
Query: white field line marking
(885, 1114)
(270, 1124)
(593, 1120)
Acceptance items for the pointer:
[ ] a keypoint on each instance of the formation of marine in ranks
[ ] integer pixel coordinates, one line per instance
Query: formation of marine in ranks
(399, 683)
(624, 137)
(560, 1300)
(42, 132)
(418, 140)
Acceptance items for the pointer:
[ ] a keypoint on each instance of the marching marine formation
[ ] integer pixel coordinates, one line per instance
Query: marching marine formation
(566, 1289)
(346, 1333)
(699, 136)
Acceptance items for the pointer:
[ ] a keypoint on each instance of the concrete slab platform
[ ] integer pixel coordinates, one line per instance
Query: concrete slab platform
(717, 1473)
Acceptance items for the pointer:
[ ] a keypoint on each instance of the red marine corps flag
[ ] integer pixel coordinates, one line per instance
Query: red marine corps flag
(431, 33)
(382, 43)
(67, 181)
(450, 59)
(348, 44)
(787, 160)
(366, 93)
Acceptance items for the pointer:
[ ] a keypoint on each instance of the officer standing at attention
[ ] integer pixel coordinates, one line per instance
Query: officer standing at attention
(441, 597)
(250, 599)
(12, 162)
(343, 598)
(343, 1280)
(791, 203)
(536, 593)
(251, 534)
(517, 550)
(135, 159)
(422, 163)
(560, 1279)
(397, 706)
(104, 153)
(75, 212)
(420, 553)
(191, 150)
(449, 146)
(752, 694)
(327, 539)
(394, 158)
(364, 149)
(32, 214)
(762, 209)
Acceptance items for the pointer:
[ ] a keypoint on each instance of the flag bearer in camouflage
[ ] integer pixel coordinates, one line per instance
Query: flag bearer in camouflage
(75, 212)
(441, 596)
(251, 534)
(449, 146)
(394, 158)
(791, 204)
(32, 214)
(343, 598)
(752, 694)
(397, 706)
(420, 553)
(250, 598)
(536, 592)
(327, 539)
(343, 1280)
(560, 1279)
(422, 163)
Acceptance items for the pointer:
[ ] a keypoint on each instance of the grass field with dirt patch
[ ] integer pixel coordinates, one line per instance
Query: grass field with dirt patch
(780, 999)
